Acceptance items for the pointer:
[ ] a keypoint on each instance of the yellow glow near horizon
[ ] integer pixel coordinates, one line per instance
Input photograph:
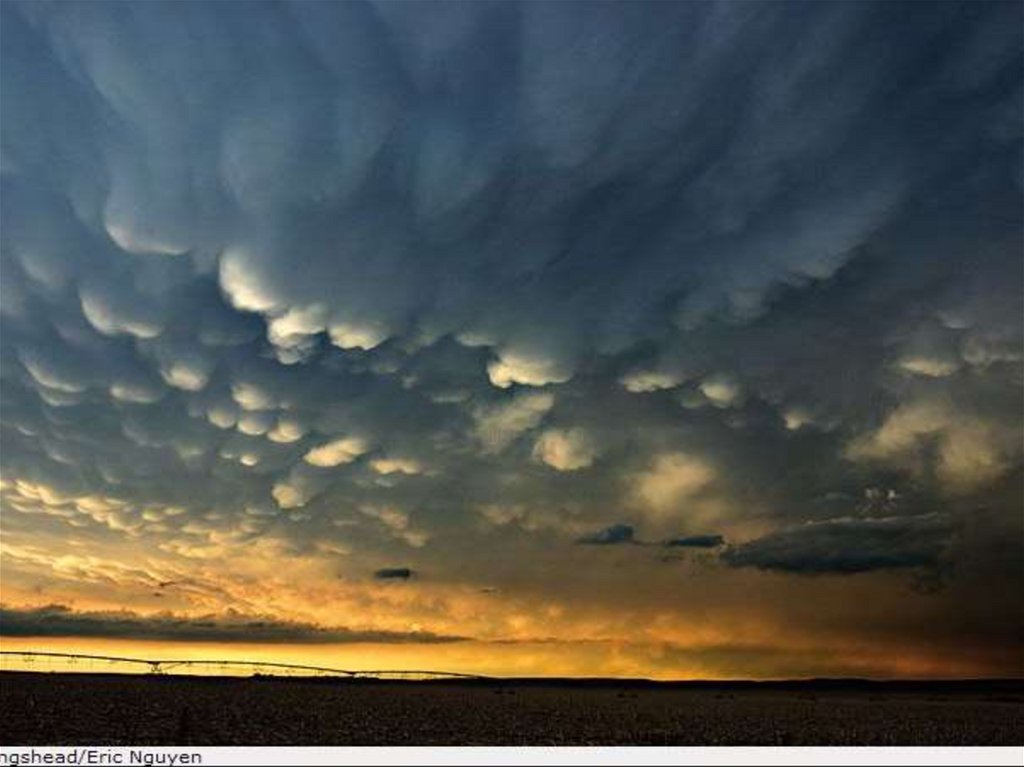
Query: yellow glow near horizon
(534, 659)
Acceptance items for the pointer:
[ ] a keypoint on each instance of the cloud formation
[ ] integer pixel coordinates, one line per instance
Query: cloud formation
(849, 545)
(327, 286)
(62, 621)
(565, 450)
(695, 542)
(393, 573)
(610, 536)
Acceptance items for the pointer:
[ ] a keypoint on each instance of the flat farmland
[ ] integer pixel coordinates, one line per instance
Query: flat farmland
(76, 709)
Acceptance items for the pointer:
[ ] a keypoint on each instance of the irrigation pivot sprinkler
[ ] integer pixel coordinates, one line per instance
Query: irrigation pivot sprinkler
(160, 666)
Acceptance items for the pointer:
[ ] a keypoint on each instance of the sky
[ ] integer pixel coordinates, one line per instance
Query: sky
(676, 339)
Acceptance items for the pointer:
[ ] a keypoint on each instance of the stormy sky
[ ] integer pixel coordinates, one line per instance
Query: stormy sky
(663, 339)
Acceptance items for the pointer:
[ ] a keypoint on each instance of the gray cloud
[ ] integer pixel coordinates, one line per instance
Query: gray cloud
(393, 573)
(695, 542)
(63, 621)
(849, 545)
(340, 121)
(610, 536)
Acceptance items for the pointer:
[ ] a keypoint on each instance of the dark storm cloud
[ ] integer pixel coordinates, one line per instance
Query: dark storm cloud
(618, 534)
(356, 274)
(610, 536)
(849, 545)
(62, 621)
(695, 542)
(393, 574)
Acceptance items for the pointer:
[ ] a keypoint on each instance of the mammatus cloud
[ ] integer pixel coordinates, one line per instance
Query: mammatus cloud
(565, 450)
(286, 431)
(499, 424)
(962, 450)
(397, 466)
(641, 381)
(517, 368)
(672, 479)
(721, 391)
(397, 523)
(749, 195)
(457, 284)
(336, 452)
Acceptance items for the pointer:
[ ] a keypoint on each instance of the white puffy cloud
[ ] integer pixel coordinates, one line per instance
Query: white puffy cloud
(297, 321)
(672, 479)
(351, 335)
(395, 465)
(242, 284)
(136, 393)
(534, 518)
(135, 241)
(289, 495)
(187, 375)
(931, 367)
(498, 425)
(796, 418)
(256, 423)
(286, 430)
(982, 352)
(336, 452)
(642, 381)
(110, 314)
(396, 521)
(971, 450)
(514, 367)
(721, 390)
(565, 449)
(222, 416)
(251, 396)
(52, 372)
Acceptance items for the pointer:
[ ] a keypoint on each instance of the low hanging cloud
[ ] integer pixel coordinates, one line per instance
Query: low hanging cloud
(610, 536)
(231, 627)
(849, 545)
(695, 542)
(393, 574)
(626, 534)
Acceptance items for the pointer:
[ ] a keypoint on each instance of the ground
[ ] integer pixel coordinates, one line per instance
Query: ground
(78, 709)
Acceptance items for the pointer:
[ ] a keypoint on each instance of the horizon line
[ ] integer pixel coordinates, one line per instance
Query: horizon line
(163, 666)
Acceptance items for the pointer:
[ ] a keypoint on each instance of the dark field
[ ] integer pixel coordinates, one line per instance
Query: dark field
(72, 709)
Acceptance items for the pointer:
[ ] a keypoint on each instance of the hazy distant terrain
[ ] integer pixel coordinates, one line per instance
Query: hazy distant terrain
(72, 709)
